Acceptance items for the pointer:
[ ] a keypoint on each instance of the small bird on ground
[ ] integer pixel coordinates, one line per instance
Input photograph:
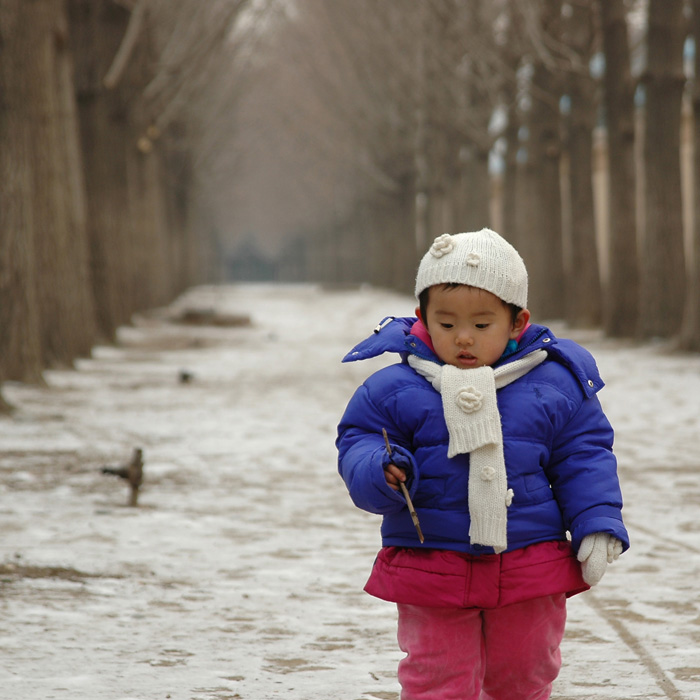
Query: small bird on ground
(185, 376)
(132, 473)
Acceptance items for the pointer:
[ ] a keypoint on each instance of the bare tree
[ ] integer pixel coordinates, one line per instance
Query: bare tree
(89, 220)
(583, 298)
(143, 72)
(511, 50)
(109, 143)
(360, 130)
(393, 105)
(663, 280)
(20, 348)
(58, 204)
(621, 298)
(690, 333)
(477, 83)
(338, 116)
(539, 191)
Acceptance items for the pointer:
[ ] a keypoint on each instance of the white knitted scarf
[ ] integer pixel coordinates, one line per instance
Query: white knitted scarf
(474, 427)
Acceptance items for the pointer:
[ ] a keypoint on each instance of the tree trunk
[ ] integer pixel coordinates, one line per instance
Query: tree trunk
(663, 280)
(540, 221)
(474, 211)
(20, 348)
(151, 276)
(65, 298)
(405, 255)
(98, 28)
(690, 333)
(583, 297)
(510, 170)
(420, 145)
(509, 202)
(621, 296)
(474, 175)
(177, 162)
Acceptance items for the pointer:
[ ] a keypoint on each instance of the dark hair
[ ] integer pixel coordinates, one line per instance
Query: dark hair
(425, 295)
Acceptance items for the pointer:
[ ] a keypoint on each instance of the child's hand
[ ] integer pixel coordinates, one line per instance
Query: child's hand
(595, 553)
(394, 475)
(399, 468)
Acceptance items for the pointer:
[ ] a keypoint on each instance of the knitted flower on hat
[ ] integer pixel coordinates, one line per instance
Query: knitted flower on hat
(481, 259)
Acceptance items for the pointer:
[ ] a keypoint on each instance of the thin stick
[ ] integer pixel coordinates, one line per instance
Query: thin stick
(126, 48)
(404, 490)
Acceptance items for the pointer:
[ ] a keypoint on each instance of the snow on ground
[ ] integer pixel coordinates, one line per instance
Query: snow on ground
(240, 573)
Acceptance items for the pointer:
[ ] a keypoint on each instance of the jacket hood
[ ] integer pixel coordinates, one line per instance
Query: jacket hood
(394, 335)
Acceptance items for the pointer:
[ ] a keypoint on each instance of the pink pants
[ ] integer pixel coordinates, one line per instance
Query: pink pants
(508, 653)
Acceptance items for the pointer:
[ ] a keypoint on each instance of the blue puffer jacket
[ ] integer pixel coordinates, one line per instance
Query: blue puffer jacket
(557, 445)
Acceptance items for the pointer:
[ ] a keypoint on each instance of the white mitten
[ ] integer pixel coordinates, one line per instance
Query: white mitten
(595, 553)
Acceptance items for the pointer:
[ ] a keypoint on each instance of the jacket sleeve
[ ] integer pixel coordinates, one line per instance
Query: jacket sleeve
(583, 475)
(362, 455)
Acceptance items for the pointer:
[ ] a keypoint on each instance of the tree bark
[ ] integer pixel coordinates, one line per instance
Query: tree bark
(621, 288)
(177, 162)
(540, 210)
(61, 254)
(98, 27)
(20, 347)
(474, 177)
(690, 333)
(663, 281)
(583, 297)
(150, 275)
(511, 135)
(510, 178)
(475, 188)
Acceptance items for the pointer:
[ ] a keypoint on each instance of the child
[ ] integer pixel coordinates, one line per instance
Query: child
(495, 429)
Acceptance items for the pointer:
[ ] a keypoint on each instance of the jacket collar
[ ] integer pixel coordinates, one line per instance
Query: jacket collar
(391, 335)
(394, 335)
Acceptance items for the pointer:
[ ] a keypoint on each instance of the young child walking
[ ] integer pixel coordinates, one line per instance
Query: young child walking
(496, 433)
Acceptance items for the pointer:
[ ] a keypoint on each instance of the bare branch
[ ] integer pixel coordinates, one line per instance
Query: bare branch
(127, 46)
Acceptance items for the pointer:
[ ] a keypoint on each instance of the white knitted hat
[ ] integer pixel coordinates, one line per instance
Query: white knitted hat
(480, 259)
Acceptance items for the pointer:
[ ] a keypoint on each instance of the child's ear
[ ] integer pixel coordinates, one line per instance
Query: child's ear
(520, 323)
(419, 314)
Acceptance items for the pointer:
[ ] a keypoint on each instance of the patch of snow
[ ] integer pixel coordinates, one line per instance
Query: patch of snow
(240, 573)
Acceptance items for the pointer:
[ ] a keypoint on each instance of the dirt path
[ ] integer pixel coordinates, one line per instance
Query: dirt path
(240, 574)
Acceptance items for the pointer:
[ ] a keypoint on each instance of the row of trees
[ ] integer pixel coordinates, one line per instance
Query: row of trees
(104, 155)
(142, 140)
(385, 121)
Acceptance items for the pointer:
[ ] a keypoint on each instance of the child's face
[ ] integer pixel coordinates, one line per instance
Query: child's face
(470, 327)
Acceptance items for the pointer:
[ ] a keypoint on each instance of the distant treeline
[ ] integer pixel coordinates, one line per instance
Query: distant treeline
(406, 115)
(103, 207)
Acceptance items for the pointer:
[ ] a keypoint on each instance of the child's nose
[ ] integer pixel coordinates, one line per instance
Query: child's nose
(464, 338)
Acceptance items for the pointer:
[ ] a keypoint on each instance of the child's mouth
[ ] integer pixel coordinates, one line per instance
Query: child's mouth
(466, 358)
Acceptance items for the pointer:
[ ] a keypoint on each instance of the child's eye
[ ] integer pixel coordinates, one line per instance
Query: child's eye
(446, 325)
(482, 325)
